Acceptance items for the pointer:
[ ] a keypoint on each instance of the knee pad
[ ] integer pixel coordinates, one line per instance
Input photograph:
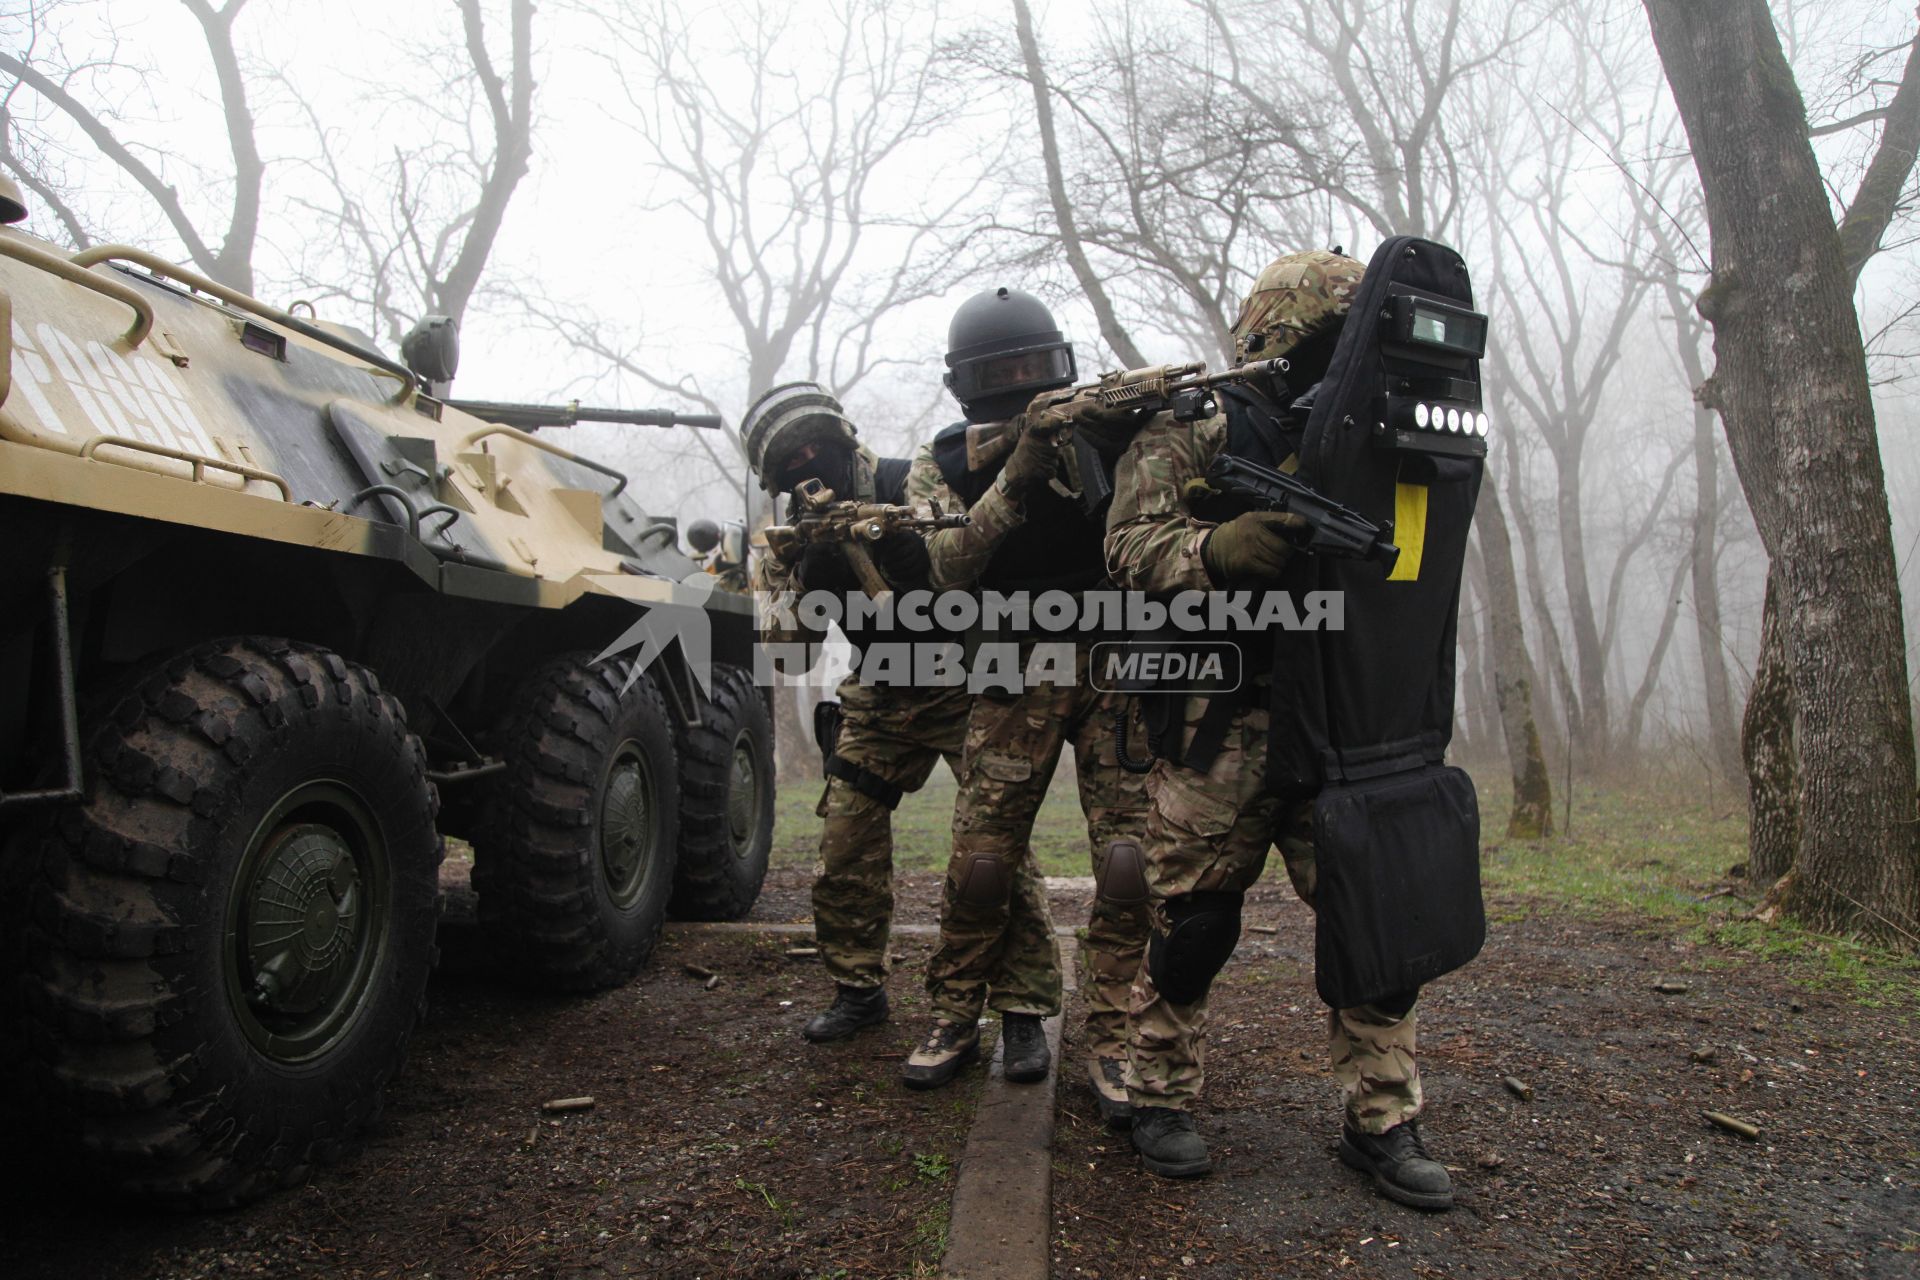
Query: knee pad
(983, 880)
(1122, 879)
(1204, 927)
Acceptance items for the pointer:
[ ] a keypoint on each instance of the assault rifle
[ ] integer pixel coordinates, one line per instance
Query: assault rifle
(1331, 529)
(1187, 390)
(851, 525)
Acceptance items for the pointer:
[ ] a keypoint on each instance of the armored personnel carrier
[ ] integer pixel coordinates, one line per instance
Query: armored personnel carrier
(275, 618)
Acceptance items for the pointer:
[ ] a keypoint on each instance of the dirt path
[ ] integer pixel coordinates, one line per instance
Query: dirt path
(721, 1145)
(1610, 1170)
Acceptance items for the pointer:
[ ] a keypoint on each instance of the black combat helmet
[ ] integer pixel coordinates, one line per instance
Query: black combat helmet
(1003, 348)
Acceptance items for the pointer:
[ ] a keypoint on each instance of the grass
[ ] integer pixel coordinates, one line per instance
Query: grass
(1652, 848)
(923, 825)
(1658, 847)
(1647, 848)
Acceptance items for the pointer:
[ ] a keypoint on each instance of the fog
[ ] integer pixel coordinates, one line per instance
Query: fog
(719, 197)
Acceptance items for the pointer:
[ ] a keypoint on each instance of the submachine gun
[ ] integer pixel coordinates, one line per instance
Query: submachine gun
(851, 526)
(531, 417)
(1331, 529)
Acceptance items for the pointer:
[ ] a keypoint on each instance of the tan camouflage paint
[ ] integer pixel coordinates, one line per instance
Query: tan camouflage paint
(1295, 296)
(1212, 831)
(87, 409)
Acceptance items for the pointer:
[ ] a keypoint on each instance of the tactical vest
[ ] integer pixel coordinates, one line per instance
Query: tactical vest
(890, 480)
(1056, 548)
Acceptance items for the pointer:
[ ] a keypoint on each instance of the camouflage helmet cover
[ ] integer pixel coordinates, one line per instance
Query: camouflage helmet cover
(1297, 295)
(786, 418)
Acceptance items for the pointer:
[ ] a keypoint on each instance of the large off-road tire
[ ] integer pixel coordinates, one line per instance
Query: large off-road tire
(216, 960)
(726, 802)
(574, 863)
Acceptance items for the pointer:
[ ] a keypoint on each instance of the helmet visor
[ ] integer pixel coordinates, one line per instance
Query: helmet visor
(1049, 366)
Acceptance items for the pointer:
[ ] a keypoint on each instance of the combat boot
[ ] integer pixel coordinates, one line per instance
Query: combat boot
(1025, 1057)
(853, 1009)
(1401, 1168)
(1169, 1143)
(1109, 1079)
(947, 1048)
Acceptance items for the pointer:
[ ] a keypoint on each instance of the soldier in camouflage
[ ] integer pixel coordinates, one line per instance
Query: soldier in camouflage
(1026, 534)
(888, 739)
(1211, 827)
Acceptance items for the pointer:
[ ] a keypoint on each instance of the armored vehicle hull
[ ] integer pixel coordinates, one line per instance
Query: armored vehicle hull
(273, 621)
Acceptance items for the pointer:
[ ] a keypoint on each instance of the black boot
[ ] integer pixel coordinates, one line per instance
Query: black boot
(1025, 1057)
(1399, 1164)
(853, 1008)
(1169, 1143)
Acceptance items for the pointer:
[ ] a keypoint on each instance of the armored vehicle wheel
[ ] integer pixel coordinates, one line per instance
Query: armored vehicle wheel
(227, 944)
(574, 862)
(726, 802)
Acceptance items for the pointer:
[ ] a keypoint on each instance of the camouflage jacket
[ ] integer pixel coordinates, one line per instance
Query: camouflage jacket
(1153, 540)
(959, 556)
(776, 583)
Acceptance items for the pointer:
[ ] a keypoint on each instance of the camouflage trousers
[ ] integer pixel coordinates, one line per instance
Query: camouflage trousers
(899, 735)
(997, 947)
(1211, 832)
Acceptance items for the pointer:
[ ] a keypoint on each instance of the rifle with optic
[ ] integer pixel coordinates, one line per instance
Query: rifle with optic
(852, 526)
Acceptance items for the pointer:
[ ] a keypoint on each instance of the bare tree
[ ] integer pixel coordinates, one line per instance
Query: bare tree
(1532, 813)
(1060, 205)
(798, 145)
(1791, 385)
(68, 90)
(421, 241)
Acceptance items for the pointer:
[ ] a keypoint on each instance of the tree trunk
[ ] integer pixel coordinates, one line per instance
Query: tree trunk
(1766, 745)
(1111, 329)
(1723, 742)
(1532, 816)
(1476, 716)
(1723, 739)
(1589, 654)
(1791, 382)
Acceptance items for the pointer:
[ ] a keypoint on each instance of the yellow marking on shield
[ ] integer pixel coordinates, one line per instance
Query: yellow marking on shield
(1409, 530)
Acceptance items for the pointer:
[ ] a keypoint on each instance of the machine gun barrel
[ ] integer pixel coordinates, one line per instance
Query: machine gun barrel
(1332, 530)
(531, 417)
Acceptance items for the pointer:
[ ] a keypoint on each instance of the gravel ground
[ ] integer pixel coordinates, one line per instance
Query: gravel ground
(1609, 1170)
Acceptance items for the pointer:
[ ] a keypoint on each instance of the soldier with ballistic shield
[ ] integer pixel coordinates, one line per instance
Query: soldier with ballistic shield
(1029, 532)
(1216, 808)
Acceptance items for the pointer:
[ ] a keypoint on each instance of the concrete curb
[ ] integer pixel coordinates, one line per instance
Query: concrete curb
(1002, 1214)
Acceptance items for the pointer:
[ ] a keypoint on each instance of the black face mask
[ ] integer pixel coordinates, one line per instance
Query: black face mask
(831, 467)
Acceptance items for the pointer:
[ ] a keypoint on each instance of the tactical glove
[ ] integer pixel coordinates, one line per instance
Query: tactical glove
(1253, 547)
(1032, 462)
(824, 567)
(902, 558)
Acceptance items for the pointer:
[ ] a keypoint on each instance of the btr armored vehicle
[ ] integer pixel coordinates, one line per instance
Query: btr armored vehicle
(276, 617)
